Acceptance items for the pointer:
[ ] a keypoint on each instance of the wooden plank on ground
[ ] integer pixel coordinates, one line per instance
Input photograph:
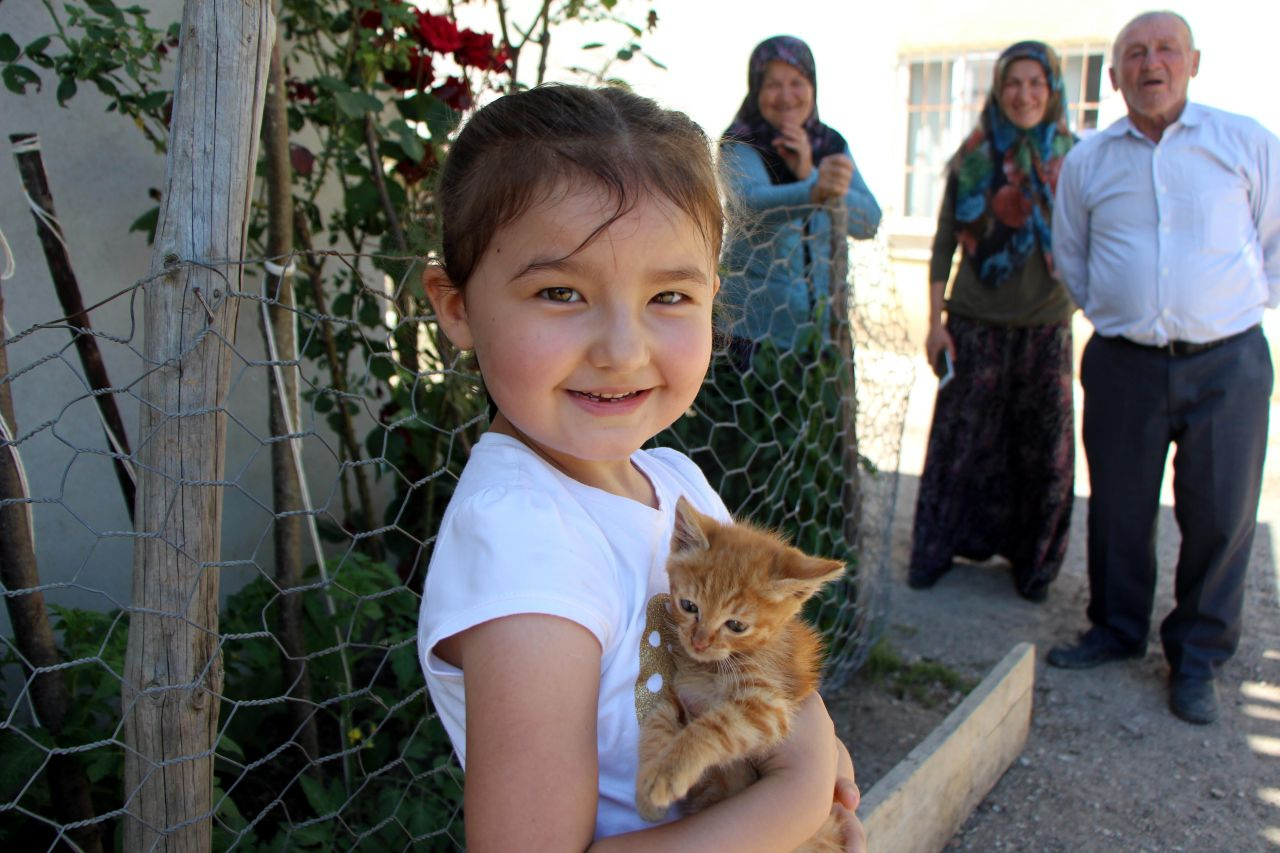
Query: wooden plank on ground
(925, 799)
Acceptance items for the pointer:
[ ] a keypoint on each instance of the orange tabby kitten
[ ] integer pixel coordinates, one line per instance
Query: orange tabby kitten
(743, 663)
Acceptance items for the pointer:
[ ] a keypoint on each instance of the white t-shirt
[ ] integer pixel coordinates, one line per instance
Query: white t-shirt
(521, 537)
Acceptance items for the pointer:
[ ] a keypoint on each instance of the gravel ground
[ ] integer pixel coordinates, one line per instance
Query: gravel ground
(1106, 766)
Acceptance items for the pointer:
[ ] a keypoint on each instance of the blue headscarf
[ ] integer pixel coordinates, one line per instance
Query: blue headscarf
(750, 127)
(1006, 176)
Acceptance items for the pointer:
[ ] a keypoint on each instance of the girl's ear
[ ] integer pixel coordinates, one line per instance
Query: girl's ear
(449, 305)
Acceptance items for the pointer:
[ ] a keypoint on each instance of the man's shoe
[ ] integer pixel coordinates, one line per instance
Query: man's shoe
(1194, 699)
(1095, 648)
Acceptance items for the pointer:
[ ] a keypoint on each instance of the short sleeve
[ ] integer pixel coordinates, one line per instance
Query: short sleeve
(507, 551)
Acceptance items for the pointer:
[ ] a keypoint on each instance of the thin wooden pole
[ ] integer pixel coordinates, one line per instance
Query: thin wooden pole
(32, 633)
(34, 181)
(173, 668)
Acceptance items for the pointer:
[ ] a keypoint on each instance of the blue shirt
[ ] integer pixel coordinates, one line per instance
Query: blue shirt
(778, 262)
(1172, 240)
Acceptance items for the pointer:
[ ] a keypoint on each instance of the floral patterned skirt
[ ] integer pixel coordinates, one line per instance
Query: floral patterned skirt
(999, 472)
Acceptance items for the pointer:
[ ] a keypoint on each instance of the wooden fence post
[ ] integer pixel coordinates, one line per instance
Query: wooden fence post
(173, 671)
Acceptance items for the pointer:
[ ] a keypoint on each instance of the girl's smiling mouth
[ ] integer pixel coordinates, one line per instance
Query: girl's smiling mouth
(609, 398)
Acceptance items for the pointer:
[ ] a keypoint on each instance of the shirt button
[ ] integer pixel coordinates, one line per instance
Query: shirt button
(1164, 271)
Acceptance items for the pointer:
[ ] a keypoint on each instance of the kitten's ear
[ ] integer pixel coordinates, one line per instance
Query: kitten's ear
(806, 575)
(688, 534)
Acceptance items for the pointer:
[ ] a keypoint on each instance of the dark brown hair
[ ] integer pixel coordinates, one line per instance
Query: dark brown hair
(518, 149)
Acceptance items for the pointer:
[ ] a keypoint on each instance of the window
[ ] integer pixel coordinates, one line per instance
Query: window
(945, 98)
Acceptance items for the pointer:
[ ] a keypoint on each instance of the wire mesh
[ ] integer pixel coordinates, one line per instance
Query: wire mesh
(324, 735)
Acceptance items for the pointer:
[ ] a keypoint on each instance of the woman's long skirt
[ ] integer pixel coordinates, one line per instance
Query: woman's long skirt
(999, 472)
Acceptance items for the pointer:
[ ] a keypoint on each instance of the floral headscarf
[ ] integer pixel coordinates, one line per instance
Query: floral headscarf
(1006, 176)
(749, 125)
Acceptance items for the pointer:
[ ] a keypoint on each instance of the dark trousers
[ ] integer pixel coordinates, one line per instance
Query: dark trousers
(1213, 405)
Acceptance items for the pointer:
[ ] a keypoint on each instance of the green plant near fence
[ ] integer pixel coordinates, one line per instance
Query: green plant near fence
(385, 776)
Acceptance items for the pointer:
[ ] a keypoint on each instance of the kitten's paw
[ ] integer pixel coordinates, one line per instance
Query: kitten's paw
(650, 811)
(654, 795)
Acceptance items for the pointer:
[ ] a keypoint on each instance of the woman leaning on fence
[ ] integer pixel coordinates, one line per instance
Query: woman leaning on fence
(780, 164)
(999, 470)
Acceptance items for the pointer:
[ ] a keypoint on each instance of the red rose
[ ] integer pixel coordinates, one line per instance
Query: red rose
(454, 92)
(476, 50)
(417, 75)
(438, 33)
(302, 160)
(296, 90)
(1011, 207)
(414, 172)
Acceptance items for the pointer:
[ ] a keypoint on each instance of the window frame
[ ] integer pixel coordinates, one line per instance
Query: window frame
(966, 72)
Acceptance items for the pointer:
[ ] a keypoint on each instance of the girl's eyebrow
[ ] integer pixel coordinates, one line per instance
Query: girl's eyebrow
(568, 265)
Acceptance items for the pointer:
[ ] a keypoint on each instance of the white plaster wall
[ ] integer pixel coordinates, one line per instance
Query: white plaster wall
(100, 169)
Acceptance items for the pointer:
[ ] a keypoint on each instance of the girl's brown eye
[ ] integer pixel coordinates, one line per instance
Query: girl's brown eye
(559, 294)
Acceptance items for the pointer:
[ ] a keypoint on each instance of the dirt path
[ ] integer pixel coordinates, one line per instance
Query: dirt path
(1107, 767)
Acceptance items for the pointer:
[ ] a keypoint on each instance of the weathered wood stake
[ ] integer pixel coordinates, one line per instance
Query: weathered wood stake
(173, 668)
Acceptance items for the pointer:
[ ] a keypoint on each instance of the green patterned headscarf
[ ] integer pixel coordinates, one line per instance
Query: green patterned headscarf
(1006, 176)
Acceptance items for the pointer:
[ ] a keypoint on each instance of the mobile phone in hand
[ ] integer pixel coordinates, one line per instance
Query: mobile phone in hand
(945, 368)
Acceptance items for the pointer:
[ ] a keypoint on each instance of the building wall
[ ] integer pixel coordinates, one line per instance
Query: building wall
(100, 170)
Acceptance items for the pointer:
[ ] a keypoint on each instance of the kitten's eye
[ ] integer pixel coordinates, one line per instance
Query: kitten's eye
(688, 606)
(735, 626)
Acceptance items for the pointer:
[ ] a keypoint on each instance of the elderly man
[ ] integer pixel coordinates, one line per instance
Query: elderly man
(1166, 231)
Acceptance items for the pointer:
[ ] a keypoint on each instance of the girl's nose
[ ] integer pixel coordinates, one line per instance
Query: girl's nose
(621, 341)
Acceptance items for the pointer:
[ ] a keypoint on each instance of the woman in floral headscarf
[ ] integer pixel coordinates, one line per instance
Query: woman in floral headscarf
(781, 165)
(999, 470)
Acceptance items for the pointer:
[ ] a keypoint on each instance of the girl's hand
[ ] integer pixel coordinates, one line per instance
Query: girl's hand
(835, 172)
(847, 797)
(793, 146)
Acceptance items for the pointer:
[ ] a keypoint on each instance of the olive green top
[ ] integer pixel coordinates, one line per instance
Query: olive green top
(1030, 296)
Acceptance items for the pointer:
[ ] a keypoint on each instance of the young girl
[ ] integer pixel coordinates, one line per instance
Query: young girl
(581, 234)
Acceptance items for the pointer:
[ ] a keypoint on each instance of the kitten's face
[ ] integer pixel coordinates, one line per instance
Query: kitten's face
(734, 587)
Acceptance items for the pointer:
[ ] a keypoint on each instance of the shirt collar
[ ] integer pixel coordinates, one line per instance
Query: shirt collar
(1192, 115)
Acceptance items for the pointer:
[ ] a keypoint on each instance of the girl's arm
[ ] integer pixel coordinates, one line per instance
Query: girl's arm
(779, 812)
(532, 687)
(532, 683)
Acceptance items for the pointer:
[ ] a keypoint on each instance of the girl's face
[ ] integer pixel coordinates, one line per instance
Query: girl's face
(588, 353)
(1025, 93)
(786, 95)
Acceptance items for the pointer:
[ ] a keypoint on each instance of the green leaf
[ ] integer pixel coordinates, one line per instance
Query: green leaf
(382, 368)
(415, 107)
(356, 104)
(592, 45)
(147, 222)
(66, 90)
(409, 140)
(441, 121)
(9, 50)
(37, 46)
(18, 77)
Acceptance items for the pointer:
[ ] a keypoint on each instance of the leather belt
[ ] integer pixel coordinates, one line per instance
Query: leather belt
(1184, 348)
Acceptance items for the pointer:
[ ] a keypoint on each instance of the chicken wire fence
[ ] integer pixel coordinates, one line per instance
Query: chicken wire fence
(345, 423)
